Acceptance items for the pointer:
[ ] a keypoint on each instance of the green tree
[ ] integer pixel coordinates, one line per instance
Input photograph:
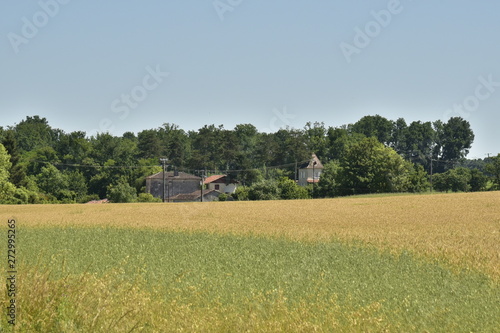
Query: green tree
(493, 167)
(103, 147)
(17, 170)
(241, 193)
(316, 139)
(457, 139)
(456, 180)
(207, 146)
(106, 176)
(420, 142)
(34, 132)
(150, 145)
(340, 139)
(441, 182)
(54, 183)
(77, 184)
(265, 190)
(459, 179)
(5, 164)
(375, 126)
(371, 167)
(35, 160)
(399, 137)
(147, 197)
(329, 182)
(121, 192)
(289, 189)
(478, 180)
(73, 148)
(418, 179)
(176, 145)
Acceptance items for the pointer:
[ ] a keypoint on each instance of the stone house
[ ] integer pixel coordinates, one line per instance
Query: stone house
(310, 172)
(175, 183)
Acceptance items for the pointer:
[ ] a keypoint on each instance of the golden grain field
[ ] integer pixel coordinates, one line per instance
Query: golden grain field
(462, 229)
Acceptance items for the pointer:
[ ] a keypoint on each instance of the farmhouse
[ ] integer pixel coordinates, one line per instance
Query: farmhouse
(221, 183)
(310, 172)
(175, 183)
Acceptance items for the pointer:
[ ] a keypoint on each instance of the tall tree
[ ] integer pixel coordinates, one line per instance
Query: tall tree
(399, 137)
(150, 145)
(494, 168)
(5, 164)
(34, 132)
(329, 185)
(103, 147)
(7, 189)
(375, 126)
(316, 139)
(340, 139)
(17, 170)
(73, 148)
(371, 167)
(176, 144)
(457, 139)
(420, 142)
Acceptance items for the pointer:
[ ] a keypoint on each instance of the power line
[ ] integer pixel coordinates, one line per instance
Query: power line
(152, 166)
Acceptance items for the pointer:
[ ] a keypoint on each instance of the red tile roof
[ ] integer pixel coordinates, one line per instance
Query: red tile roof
(211, 179)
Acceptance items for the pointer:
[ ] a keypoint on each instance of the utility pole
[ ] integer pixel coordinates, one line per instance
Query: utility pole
(169, 189)
(163, 162)
(202, 182)
(431, 176)
(295, 174)
(314, 163)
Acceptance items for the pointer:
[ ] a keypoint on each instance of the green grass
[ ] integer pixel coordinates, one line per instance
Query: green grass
(207, 282)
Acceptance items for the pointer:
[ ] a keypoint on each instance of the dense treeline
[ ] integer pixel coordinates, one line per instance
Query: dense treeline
(39, 163)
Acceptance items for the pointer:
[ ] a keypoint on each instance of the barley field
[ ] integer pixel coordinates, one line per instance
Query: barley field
(408, 263)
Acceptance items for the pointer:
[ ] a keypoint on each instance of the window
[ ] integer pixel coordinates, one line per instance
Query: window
(217, 186)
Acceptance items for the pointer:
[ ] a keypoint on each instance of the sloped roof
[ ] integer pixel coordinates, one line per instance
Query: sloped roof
(218, 179)
(192, 196)
(170, 174)
(214, 178)
(309, 165)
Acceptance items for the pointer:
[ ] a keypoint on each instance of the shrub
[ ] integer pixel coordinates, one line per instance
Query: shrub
(290, 190)
(241, 193)
(147, 197)
(121, 192)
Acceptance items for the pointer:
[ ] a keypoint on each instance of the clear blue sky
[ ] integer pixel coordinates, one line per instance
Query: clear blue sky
(268, 63)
